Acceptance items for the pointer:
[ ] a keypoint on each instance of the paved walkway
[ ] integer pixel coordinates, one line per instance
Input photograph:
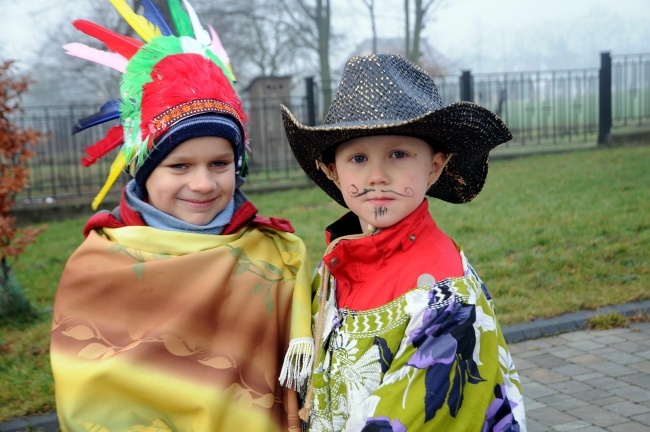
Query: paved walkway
(573, 379)
(587, 381)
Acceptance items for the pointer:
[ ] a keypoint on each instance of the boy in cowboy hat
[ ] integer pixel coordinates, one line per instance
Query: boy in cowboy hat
(406, 335)
(180, 308)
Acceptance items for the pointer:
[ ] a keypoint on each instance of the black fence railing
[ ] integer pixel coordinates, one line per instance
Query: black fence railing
(541, 108)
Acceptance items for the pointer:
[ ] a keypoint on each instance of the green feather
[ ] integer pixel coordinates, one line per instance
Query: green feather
(138, 73)
(181, 19)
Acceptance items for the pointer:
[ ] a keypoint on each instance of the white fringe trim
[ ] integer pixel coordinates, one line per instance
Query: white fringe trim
(298, 363)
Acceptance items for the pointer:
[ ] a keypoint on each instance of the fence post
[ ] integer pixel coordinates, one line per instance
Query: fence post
(311, 103)
(605, 99)
(466, 93)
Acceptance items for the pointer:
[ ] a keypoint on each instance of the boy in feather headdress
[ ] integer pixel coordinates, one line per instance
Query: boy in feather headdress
(183, 307)
(406, 334)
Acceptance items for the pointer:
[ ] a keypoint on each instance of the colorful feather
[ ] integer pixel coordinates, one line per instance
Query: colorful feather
(217, 47)
(117, 167)
(113, 139)
(109, 111)
(125, 45)
(200, 34)
(153, 14)
(181, 19)
(140, 24)
(112, 60)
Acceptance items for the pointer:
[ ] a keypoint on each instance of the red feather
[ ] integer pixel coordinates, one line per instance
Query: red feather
(113, 139)
(186, 77)
(125, 45)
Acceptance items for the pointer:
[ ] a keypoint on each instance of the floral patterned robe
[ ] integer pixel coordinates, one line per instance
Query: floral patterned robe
(433, 359)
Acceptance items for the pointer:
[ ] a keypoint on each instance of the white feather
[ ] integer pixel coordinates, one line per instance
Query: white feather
(199, 32)
(110, 59)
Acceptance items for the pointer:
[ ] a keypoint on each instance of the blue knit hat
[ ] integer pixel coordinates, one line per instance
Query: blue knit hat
(216, 125)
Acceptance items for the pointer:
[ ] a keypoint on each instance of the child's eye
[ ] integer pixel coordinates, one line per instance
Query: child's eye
(399, 154)
(358, 158)
(221, 164)
(178, 166)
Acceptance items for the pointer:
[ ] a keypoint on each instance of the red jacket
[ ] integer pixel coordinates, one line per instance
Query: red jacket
(377, 269)
(125, 215)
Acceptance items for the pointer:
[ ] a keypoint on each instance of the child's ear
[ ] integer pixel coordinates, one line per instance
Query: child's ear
(334, 175)
(438, 163)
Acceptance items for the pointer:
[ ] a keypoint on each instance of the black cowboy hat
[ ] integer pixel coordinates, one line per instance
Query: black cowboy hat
(384, 94)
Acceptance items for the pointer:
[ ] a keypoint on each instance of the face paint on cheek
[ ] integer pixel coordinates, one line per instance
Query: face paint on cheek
(408, 192)
(380, 211)
(354, 191)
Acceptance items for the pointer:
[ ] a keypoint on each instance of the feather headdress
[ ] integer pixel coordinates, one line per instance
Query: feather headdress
(170, 76)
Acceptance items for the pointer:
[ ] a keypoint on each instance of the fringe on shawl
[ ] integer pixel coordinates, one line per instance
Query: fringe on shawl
(298, 362)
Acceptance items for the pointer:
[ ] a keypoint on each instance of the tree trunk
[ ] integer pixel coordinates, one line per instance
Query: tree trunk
(323, 17)
(14, 306)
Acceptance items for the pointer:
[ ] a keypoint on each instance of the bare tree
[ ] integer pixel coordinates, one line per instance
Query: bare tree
(422, 13)
(370, 4)
(312, 20)
(256, 35)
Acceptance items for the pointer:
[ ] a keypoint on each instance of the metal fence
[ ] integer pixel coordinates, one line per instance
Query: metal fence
(541, 108)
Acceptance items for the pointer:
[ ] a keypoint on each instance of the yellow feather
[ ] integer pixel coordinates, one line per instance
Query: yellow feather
(117, 167)
(140, 24)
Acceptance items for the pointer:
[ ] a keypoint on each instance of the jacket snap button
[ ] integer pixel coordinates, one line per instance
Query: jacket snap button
(334, 262)
(412, 237)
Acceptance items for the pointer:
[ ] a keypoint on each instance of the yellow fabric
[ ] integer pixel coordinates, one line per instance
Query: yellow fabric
(157, 330)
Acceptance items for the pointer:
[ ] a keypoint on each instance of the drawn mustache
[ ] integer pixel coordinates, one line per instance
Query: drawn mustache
(408, 192)
(354, 191)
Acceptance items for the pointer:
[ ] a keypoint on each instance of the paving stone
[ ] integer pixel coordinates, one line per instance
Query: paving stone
(597, 416)
(572, 370)
(547, 360)
(535, 426)
(643, 366)
(628, 409)
(626, 346)
(613, 369)
(546, 376)
(591, 429)
(607, 401)
(644, 354)
(628, 427)
(607, 383)
(589, 377)
(642, 418)
(571, 426)
(522, 364)
(638, 379)
(565, 404)
(621, 357)
(536, 390)
(576, 336)
(570, 387)
(533, 404)
(567, 353)
(586, 345)
(588, 360)
(592, 394)
(631, 392)
(550, 416)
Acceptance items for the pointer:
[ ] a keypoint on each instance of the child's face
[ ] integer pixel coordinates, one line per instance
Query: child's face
(195, 181)
(384, 178)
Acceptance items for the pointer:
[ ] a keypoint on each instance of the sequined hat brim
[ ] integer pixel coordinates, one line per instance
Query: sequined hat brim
(464, 129)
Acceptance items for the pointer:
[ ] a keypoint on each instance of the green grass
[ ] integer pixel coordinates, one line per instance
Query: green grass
(549, 234)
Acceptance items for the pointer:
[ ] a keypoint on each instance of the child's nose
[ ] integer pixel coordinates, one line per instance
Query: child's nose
(378, 173)
(202, 181)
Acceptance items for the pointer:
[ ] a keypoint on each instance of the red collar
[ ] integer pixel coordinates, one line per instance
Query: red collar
(357, 260)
